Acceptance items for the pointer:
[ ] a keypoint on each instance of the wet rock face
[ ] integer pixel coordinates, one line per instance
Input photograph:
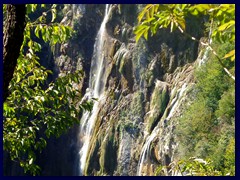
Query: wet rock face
(146, 86)
(76, 54)
(146, 89)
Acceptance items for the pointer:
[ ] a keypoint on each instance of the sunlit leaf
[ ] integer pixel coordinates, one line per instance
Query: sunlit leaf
(230, 54)
(30, 161)
(226, 25)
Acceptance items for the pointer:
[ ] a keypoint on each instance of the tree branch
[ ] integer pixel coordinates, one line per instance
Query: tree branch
(12, 41)
(210, 47)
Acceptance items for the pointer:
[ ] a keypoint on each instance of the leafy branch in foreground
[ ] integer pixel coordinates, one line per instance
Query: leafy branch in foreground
(35, 109)
(222, 17)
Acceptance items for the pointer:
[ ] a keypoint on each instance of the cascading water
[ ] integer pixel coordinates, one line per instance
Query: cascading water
(146, 147)
(203, 59)
(145, 151)
(96, 89)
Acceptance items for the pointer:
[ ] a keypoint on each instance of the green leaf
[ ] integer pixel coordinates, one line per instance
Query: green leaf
(140, 31)
(181, 22)
(18, 78)
(146, 33)
(226, 25)
(55, 39)
(30, 43)
(37, 47)
(194, 12)
(68, 30)
(31, 8)
(43, 31)
(43, 5)
(36, 31)
(202, 7)
(230, 54)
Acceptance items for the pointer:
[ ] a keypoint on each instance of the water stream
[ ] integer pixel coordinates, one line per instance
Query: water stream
(95, 89)
(145, 152)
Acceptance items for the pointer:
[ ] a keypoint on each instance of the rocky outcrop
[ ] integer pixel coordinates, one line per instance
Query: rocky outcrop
(147, 87)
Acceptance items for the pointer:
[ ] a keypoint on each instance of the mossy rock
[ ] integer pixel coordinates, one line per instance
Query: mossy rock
(92, 163)
(108, 154)
(158, 104)
(137, 103)
(125, 69)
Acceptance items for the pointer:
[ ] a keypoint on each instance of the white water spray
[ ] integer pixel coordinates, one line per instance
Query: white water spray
(146, 147)
(145, 151)
(205, 56)
(96, 89)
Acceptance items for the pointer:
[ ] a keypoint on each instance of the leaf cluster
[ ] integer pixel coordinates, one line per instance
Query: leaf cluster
(157, 16)
(35, 109)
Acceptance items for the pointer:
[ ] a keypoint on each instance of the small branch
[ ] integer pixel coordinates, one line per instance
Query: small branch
(210, 47)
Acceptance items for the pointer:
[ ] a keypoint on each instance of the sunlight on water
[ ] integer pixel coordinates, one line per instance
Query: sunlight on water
(96, 88)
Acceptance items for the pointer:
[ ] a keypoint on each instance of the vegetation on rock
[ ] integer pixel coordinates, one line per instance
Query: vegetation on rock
(152, 88)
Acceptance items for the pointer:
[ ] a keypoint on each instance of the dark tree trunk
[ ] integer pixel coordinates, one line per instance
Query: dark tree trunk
(12, 41)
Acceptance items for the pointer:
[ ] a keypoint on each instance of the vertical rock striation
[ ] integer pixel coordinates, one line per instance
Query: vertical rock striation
(146, 86)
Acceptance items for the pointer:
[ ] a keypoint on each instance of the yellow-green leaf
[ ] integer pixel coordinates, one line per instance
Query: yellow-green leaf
(18, 78)
(146, 33)
(43, 5)
(181, 22)
(202, 7)
(230, 54)
(226, 25)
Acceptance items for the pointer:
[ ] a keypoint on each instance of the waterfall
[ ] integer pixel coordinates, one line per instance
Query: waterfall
(96, 89)
(176, 101)
(205, 55)
(174, 105)
(145, 151)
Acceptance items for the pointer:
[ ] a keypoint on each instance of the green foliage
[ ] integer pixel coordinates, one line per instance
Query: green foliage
(191, 167)
(210, 79)
(48, 30)
(226, 106)
(156, 16)
(204, 130)
(212, 82)
(207, 125)
(229, 157)
(225, 134)
(221, 17)
(36, 110)
(194, 127)
(224, 17)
